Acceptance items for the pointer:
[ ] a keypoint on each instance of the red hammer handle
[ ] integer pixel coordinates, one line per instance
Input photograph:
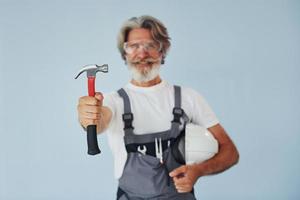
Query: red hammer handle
(93, 147)
(91, 86)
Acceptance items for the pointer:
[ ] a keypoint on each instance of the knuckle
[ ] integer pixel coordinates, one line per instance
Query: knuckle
(89, 116)
(98, 116)
(93, 109)
(84, 120)
(80, 117)
(94, 101)
(95, 121)
(89, 122)
(95, 116)
(87, 100)
(97, 109)
(92, 116)
(79, 107)
(82, 99)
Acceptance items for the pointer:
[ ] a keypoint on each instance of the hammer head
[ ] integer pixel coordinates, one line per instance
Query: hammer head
(91, 70)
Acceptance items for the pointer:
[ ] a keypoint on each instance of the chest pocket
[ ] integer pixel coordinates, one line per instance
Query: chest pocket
(144, 175)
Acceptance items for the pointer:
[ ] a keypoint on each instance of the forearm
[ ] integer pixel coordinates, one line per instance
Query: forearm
(227, 157)
(104, 120)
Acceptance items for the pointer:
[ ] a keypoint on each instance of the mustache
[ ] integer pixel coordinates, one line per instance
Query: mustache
(146, 60)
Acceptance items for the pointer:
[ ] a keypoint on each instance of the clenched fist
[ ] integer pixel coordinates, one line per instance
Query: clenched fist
(91, 112)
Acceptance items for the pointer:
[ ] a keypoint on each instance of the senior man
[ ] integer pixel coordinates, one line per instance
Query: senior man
(147, 110)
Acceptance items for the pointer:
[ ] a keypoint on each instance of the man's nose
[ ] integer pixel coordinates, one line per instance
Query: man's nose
(142, 53)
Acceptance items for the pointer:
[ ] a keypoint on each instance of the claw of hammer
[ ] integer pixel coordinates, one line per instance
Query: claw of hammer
(92, 70)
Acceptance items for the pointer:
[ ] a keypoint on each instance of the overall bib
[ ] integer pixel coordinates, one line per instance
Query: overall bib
(144, 175)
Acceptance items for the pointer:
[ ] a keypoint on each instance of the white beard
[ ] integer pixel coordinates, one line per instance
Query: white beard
(146, 75)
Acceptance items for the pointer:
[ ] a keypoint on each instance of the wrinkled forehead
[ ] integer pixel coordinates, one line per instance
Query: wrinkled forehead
(139, 34)
(142, 41)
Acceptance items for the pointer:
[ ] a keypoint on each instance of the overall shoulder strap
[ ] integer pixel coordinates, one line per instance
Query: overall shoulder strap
(177, 110)
(178, 113)
(177, 96)
(127, 116)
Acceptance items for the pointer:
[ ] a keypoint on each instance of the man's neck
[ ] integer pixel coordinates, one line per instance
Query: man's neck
(153, 82)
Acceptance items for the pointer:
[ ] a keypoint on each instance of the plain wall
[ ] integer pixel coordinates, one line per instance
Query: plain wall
(242, 56)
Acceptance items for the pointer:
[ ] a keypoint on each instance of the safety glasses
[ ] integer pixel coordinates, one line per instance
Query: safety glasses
(148, 45)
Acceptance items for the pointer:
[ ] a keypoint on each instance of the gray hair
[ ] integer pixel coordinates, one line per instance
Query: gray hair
(158, 31)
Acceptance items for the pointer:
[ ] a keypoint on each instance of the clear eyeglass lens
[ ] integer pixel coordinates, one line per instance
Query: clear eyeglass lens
(151, 46)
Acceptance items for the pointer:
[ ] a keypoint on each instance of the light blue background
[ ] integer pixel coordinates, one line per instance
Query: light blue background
(242, 56)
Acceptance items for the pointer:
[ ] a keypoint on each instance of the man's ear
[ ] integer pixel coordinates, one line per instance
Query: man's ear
(125, 58)
(162, 59)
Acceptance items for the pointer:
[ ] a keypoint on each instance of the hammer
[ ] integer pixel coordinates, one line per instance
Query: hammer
(91, 71)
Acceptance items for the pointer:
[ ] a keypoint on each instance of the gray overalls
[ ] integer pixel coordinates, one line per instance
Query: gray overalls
(144, 175)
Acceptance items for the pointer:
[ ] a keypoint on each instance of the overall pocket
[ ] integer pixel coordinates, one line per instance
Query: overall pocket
(143, 176)
(172, 164)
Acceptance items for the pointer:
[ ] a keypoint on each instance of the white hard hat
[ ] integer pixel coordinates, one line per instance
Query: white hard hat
(196, 145)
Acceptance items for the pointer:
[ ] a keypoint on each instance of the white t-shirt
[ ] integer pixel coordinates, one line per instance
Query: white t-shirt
(152, 110)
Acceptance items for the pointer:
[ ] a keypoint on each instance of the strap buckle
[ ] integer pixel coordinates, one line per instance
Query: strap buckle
(127, 118)
(178, 113)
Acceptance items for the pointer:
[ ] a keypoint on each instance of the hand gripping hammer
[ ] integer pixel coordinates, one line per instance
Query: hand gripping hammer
(91, 71)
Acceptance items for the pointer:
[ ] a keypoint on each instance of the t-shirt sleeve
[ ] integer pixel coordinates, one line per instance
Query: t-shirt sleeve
(202, 113)
(109, 101)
